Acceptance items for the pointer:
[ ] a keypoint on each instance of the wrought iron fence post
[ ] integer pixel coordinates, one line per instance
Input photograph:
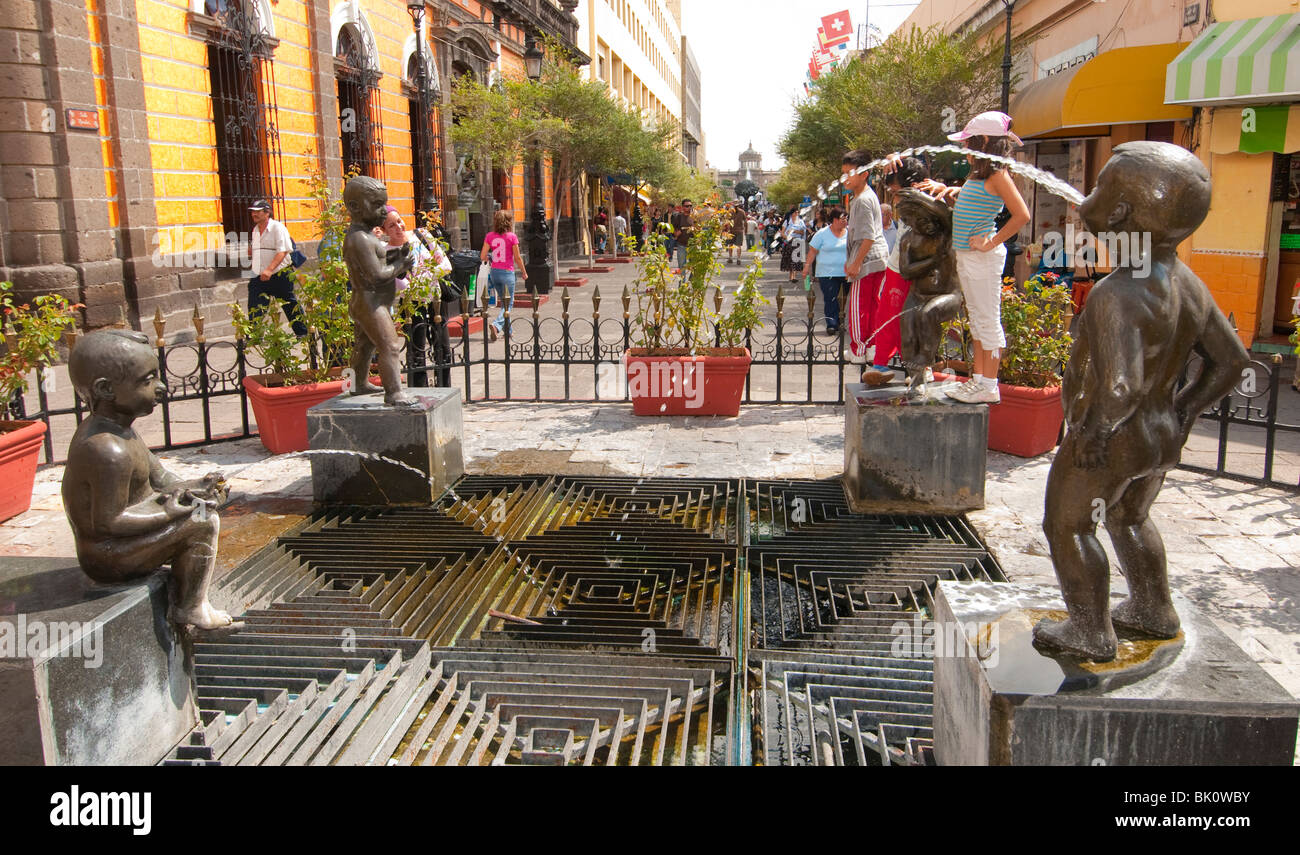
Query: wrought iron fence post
(1270, 418)
(416, 345)
(537, 348)
(812, 310)
(1225, 414)
(464, 338)
(780, 336)
(241, 371)
(595, 340)
(205, 387)
(160, 342)
(564, 305)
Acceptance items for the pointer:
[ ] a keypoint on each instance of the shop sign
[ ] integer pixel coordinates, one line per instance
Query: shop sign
(1077, 55)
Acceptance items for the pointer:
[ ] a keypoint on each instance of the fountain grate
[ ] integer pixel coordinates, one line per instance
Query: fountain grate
(582, 621)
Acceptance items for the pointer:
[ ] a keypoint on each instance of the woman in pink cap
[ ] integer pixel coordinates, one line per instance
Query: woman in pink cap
(978, 245)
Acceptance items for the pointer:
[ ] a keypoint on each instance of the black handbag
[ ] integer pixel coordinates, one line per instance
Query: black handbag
(296, 257)
(450, 289)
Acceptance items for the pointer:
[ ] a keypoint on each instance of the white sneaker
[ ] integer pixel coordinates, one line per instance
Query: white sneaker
(855, 359)
(975, 392)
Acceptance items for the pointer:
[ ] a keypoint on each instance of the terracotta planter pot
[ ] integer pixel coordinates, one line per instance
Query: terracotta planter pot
(1027, 422)
(281, 411)
(20, 449)
(683, 385)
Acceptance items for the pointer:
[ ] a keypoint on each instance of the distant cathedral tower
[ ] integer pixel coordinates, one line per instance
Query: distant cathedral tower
(751, 169)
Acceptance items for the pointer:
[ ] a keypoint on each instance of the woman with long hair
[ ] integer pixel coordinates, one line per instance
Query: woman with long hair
(979, 245)
(501, 246)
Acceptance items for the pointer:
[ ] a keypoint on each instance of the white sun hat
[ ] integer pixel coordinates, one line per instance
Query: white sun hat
(990, 124)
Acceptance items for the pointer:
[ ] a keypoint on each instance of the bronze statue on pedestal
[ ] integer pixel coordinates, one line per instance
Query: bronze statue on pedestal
(1128, 405)
(129, 515)
(373, 269)
(925, 258)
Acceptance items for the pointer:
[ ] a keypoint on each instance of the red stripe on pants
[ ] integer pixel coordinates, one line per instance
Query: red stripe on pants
(862, 310)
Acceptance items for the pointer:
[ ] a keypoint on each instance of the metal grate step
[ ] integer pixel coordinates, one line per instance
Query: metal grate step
(583, 621)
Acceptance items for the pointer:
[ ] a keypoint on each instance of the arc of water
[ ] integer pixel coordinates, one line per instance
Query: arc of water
(1044, 179)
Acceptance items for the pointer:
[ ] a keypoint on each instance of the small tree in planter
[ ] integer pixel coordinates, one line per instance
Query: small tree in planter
(31, 333)
(677, 367)
(302, 373)
(1027, 421)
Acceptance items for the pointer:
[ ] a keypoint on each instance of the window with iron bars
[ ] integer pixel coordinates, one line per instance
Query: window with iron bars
(358, 98)
(244, 112)
(426, 138)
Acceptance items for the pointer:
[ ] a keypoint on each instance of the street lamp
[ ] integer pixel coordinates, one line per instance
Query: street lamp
(533, 57)
(430, 202)
(538, 234)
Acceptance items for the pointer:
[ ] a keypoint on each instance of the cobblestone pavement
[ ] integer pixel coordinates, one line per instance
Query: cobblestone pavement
(1234, 549)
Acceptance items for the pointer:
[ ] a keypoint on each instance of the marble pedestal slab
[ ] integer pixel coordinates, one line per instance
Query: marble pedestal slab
(374, 454)
(89, 674)
(1196, 700)
(913, 456)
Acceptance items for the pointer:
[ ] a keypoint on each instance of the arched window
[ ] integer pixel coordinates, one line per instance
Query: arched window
(358, 97)
(242, 77)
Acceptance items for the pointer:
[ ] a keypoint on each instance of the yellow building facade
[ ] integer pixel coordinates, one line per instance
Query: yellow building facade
(137, 132)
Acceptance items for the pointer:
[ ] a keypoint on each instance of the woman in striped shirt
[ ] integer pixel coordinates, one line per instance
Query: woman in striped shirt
(978, 244)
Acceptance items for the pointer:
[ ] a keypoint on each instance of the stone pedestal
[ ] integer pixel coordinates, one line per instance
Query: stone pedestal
(89, 674)
(905, 455)
(382, 455)
(1194, 700)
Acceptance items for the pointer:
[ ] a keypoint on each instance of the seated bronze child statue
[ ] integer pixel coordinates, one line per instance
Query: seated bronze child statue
(925, 258)
(129, 515)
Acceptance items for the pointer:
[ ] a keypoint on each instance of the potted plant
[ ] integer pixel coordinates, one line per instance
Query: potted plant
(31, 332)
(302, 373)
(677, 368)
(1027, 421)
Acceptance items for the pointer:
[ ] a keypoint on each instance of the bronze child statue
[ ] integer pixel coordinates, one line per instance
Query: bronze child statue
(1128, 417)
(925, 259)
(373, 269)
(129, 515)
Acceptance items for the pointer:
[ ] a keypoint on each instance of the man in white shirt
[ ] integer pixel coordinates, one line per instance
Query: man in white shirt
(271, 247)
(620, 231)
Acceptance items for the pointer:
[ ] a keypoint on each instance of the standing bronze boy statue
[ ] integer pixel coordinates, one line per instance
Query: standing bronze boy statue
(373, 268)
(1127, 413)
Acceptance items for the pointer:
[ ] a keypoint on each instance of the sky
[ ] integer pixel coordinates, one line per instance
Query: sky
(753, 57)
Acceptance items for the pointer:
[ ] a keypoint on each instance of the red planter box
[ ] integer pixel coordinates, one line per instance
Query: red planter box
(455, 326)
(1027, 422)
(20, 449)
(686, 385)
(281, 411)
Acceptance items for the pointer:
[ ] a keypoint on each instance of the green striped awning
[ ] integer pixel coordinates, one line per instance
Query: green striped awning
(1251, 61)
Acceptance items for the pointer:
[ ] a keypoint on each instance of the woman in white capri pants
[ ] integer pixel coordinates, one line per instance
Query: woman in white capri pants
(979, 246)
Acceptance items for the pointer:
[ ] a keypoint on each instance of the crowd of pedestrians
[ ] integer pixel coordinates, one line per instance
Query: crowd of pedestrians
(852, 252)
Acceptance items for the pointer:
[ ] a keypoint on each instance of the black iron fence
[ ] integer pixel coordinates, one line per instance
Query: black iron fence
(579, 359)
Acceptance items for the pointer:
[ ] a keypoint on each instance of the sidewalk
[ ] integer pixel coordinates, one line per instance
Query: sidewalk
(1234, 550)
